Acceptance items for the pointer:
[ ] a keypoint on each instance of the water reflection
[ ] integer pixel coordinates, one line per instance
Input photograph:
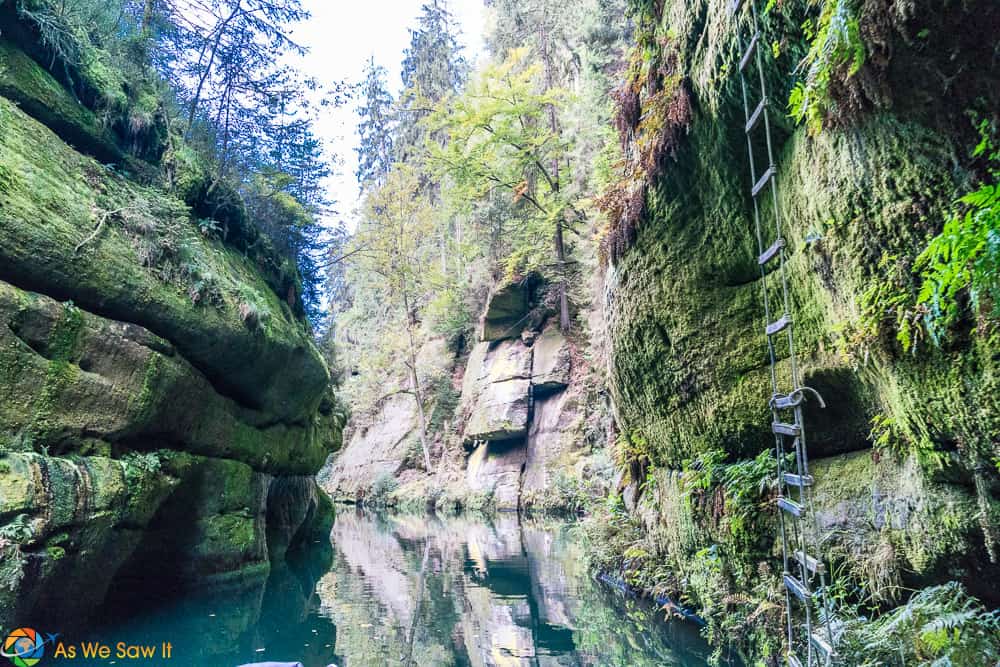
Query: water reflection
(416, 590)
(504, 592)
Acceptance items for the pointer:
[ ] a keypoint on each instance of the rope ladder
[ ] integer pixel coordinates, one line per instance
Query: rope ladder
(810, 643)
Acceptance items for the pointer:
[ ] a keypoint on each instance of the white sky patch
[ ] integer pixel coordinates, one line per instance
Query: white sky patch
(341, 37)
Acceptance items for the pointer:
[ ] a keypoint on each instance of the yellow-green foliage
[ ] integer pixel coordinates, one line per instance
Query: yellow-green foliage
(500, 139)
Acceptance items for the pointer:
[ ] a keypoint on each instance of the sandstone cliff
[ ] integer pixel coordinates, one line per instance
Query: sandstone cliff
(164, 406)
(859, 199)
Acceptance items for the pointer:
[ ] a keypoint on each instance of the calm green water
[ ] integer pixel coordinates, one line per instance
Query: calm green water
(408, 590)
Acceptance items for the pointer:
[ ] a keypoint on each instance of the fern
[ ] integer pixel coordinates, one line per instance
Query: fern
(837, 49)
(942, 625)
(965, 257)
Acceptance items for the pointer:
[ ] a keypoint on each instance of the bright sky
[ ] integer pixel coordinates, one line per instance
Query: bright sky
(341, 36)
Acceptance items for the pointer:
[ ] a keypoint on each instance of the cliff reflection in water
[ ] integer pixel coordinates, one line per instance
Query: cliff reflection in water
(506, 592)
(412, 590)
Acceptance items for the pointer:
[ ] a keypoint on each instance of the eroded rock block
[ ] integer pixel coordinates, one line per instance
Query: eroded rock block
(495, 469)
(551, 361)
(506, 312)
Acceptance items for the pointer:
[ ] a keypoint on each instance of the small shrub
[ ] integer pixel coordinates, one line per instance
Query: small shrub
(383, 487)
(836, 53)
(22, 441)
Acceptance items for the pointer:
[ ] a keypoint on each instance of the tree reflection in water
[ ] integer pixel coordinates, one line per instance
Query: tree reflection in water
(415, 590)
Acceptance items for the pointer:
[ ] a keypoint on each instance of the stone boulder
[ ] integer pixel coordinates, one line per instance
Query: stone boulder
(506, 312)
(501, 412)
(551, 361)
(494, 469)
(496, 391)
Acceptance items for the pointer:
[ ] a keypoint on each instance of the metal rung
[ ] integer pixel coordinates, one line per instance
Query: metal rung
(796, 587)
(771, 252)
(790, 506)
(759, 185)
(792, 660)
(821, 645)
(748, 54)
(813, 565)
(798, 480)
(782, 402)
(755, 117)
(778, 325)
(786, 429)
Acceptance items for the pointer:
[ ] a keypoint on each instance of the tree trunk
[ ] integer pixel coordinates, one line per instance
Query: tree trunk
(414, 381)
(208, 68)
(412, 634)
(558, 235)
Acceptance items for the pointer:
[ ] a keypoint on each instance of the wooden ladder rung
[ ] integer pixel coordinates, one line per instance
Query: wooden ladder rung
(755, 117)
(771, 252)
(782, 428)
(759, 185)
(798, 481)
(796, 587)
(748, 54)
(783, 402)
(821, 645)
(790, 506)
(778, 325)
(812, 564)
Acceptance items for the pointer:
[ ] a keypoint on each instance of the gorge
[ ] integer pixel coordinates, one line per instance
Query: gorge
(517, 411)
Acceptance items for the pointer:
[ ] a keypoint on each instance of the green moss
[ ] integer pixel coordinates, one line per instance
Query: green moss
(138, 269)
(145, 403)
(689, 370)
(62, 372)
(40, 95)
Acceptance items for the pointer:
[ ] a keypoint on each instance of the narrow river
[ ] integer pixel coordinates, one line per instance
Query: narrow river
(418, 590)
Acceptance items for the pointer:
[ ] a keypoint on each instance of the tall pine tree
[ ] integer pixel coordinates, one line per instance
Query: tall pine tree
(433, 68)
(375, 130)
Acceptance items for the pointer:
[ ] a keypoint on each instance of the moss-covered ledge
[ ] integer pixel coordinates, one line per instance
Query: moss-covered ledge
(74, 230)
(38, 94)
(74, 382)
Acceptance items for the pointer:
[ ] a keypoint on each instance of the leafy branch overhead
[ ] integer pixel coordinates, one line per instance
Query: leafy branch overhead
(499, 138)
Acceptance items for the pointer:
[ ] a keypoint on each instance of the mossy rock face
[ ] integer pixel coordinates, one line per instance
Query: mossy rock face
(24, 81)
(689, 363)
(93, 524)
(689, 367)
(132, 254)
(887, 525)
(210, 527)
(70, 377)
(157, 390)
(81, 520)
(506, 311)
(897, 526)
